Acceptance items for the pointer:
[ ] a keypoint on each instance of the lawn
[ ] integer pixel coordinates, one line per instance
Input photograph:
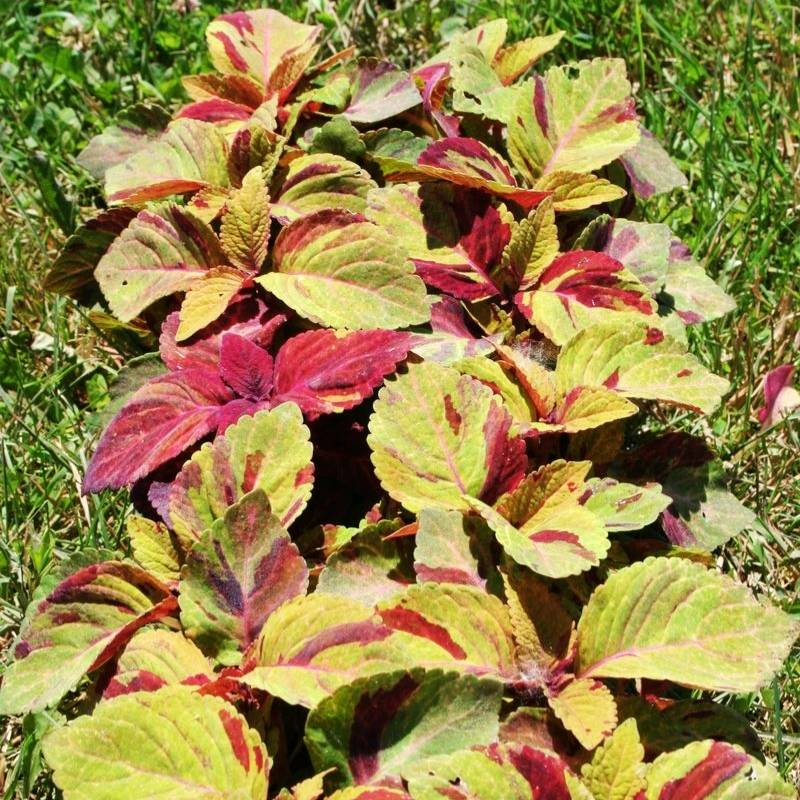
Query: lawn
(715, 81)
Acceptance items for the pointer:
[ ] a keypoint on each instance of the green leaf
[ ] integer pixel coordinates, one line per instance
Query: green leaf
(437, 436)
(153, 548)
(586, 709)
(161, 252)
(377, 727)
(513, 61)
(81, 624)
(242, 569)
(575, 191)
(245, 227)
(638, 361)
(465, 775)
(207, 299)
(672, 619)
(615, 769)
(270, 450)
(170, 743)
(643, 247)
(339, 270)
(581, 123)
(477, 89)
(625, 506)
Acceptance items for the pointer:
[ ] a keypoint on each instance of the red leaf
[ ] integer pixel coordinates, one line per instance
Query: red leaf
(245, 367)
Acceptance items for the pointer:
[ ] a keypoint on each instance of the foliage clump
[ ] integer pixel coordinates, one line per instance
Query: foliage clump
(402, 531)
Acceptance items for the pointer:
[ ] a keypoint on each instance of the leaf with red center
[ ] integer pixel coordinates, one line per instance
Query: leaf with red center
(582, 288)
(437, 437)
(241, 570)
(454, 237)
(238, 89)
(170, 743)
(245, 367)
(160, 421)
(269, 451)
(374, 728)
(642, 247)
(650, 168)
(188, 156)
(216, 110)
(81, 624)
(709, 769)
(380, 90)
(159, 253)
(450, 339)
(328, 371)
(573, 124)
(470, 163)
(543, 526)
(263, 45)
(581, 409)
(543, 771)
(72, 272)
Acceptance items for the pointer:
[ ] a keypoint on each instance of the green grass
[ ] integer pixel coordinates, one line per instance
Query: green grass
(715, 81)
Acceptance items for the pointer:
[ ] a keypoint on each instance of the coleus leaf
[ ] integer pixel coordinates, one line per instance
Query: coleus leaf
(321, 181)
(453, 237)
(240, 571)
(671, 619)
(207, 299)
(170, 743)
(339, 270)
(245, 227)
(780, 396)
(269, 451)
(437, 437)
(709, 769)
(72, 272)
(164, 418)
(515, 60)
(574, 191)
(160, 252)
(624, 506)
(580, 289)
(190, 155)
(375, 727)
(545, 772)
(643, 247)
(153, 548)
(477, 89)
(614, 772)
(650, 169)
(245, 367)
(586, 708)
(235, 88)
(155, 658)
(638, 361)
(542, 525)
(470, 163)
(327, 371)
(380, 90)
(82, 623)
(264, 45)
(465, 775)
(577, 124)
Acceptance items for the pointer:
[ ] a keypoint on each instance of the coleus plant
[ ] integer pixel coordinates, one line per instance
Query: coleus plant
(401, 532)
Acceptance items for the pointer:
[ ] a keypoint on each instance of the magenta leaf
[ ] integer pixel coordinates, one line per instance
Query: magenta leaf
(780, 396)
(325, 371)
(245, 367)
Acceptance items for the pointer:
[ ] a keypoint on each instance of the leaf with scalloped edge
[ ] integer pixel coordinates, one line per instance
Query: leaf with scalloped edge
(207, 300)
(244, 232)
(450, 339)
(711, 770)
(81, 624)
(339, 270)
(321, 181)
(380, 90)
(270, 450)
(581, 289)
(672, 619)
(153, 548)
(542, 525)
(160, 421)
(464, 775)
(160, 252)
(573, 122)
(327, 371)
(437, 436)
(72, 272)
(575, 191)
(477, 89)
(375, 727)
(157, 657)
(583, 408)
(453, 236)
(586, 709)
(615, 771)
(188, 156)
(170, 743)
(638, 361)
(643, 247)
(624, 506)
(240, 571)
(515, 60)
(650, 168)
(264, 45)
